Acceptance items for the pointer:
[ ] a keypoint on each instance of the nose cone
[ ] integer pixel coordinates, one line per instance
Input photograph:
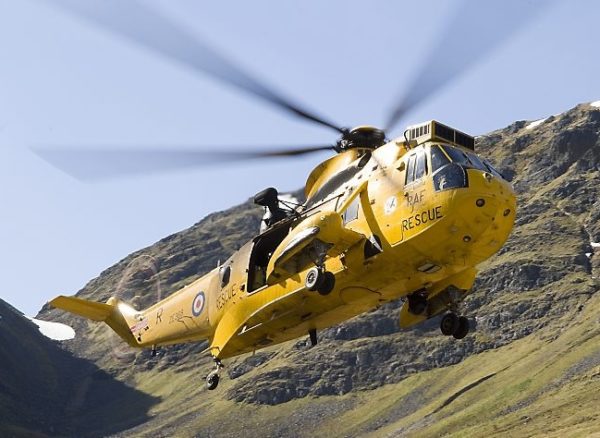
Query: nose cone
(493, 189)
(487, 209)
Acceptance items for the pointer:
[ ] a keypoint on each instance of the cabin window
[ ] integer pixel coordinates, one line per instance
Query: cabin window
(225, 275)
(438, 158)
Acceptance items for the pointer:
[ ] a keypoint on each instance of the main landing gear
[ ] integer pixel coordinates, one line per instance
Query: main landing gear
(320, 280)
(212, 380)
(453, 325)
(317, 278)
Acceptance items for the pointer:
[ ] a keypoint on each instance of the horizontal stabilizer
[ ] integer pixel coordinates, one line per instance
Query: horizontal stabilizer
(109, 313)
(88, 309)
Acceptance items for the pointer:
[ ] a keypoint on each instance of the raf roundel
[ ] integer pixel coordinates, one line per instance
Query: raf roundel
(198, 304)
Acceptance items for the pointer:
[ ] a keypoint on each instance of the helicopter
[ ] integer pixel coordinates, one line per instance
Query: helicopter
(407, 218)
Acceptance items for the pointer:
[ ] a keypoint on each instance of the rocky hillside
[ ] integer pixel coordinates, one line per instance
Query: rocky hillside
(532, 365)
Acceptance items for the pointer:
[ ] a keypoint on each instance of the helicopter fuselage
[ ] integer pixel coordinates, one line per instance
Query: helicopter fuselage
(396, 236)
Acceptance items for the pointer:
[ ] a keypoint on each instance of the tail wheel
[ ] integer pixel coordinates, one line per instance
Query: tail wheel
(449, 324)
(212, 380)
(327, 284)
(462, 329)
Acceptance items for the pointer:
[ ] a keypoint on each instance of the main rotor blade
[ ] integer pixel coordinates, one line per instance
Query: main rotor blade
(104, 163)
(146, 27)
(476, 29)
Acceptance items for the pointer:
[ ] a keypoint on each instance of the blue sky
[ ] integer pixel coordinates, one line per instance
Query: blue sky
(64, 81)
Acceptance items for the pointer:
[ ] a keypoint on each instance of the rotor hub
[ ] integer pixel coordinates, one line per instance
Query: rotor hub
(366, 137)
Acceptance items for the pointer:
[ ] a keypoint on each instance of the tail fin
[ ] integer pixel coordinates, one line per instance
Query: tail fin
(108, 312)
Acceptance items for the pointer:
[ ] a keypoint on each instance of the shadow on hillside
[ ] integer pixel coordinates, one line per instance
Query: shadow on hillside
(99, 404)
(46, 391)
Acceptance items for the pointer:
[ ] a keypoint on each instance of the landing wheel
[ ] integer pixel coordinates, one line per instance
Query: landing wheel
(314, 278)
(463, 328)
(212, 380)
(327, 283)
(449, 324)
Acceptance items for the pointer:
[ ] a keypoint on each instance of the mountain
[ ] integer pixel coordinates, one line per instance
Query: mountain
(531, 366)
(46, 391)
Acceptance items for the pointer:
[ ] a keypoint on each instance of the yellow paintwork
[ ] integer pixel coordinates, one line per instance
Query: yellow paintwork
(417, 227)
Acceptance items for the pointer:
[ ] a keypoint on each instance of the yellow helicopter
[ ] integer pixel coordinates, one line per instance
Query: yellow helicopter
(408, 218)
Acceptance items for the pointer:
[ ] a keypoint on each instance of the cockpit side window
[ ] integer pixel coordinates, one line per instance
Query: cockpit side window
(410, 169)
(438, 159)
(417, 166)
(421, 166)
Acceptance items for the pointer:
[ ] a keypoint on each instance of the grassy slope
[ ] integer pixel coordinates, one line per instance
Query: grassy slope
(537, 386)
(544, 384)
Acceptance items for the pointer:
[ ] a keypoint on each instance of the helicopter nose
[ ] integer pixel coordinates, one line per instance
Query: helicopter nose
(491, 187)
(489, 207)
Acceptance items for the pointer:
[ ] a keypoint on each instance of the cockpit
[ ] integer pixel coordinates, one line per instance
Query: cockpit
(464, 158)
(451, 155)
(449, 166)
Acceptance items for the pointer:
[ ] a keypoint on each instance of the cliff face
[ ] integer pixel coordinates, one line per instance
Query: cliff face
(533, 351)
